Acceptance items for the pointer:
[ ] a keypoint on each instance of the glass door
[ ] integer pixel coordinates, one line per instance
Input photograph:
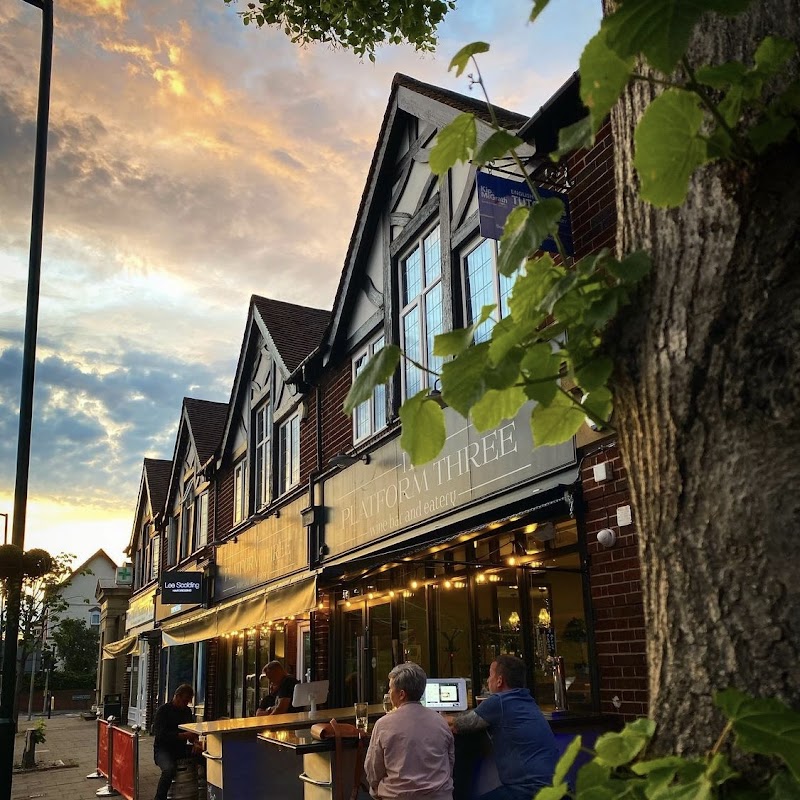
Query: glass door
(380, 650)
(352, 652)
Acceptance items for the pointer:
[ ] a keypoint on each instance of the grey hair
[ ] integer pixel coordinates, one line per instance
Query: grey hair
(411, 678)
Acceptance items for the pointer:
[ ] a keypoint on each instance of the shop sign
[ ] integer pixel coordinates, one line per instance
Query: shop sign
(140, 611)
(181, 587)
(498, 197)
(270, 549)
(367, 502)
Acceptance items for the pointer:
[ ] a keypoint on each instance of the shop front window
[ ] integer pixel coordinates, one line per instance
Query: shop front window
(252, 697)
(452, 617)
(414, 628)
(180, 667)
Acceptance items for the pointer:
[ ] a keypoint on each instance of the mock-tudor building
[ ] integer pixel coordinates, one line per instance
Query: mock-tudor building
(325, 548)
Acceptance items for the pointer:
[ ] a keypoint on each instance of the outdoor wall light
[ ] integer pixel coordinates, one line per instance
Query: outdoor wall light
(347, 459)
(606, 537)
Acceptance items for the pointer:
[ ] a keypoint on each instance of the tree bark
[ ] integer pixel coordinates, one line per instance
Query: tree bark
(708, 409)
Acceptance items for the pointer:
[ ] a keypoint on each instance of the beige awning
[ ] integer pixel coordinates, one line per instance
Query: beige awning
(296, 598)
(129, 646)
(257, 608)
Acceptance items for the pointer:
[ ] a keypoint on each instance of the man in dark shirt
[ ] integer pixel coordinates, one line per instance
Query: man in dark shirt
(283, 684)
(524, 746)
(170, 743)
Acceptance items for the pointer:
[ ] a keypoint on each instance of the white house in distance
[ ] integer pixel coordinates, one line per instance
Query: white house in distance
(78, 591)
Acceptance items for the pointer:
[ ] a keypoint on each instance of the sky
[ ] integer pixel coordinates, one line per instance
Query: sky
(192, 162)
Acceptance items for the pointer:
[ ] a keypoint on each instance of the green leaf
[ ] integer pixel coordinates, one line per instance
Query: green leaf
(660, 29)
(538, 7)
(591, 781)
(730, 107)
(722, 75)
(567, 760)
(618, 749)
(632, 268)
(669, 147)
(594, 374)
(574, 137)
(455, 142)
(378, 370)
(461, 59)
(507, 334)
(770, 131)
(497, 145)
(424, 430)
(656, 764)
(764, 726)
(525, 230)
(497, 405)
(604, 74)
(555, 423)
(552, 792)
(455, 342)
(772, 54)
(784, 786)
(462, 378)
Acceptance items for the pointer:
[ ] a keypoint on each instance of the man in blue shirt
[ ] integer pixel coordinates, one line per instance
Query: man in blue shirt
(524, 746)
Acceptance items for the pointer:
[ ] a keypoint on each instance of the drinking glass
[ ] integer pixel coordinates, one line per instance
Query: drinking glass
(387, 702)
(362, 716)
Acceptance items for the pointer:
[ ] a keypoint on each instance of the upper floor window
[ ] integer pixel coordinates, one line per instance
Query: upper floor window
(371, 415)
(202, 520)
(94, 618)
(289, 453)
(240, 491)
(155, 557)
(187, 520)
(485, 286)
(422, 315)
(262, 477)
(172, 541)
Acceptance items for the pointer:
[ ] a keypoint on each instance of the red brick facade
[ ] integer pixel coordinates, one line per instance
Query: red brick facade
(616, 590)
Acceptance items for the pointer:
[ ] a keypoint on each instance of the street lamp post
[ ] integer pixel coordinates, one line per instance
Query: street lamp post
(14, 584)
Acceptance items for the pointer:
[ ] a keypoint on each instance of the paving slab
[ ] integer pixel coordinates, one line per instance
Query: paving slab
(70, 738)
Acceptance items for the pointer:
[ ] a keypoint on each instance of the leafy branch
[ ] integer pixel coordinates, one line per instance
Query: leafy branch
(620, 767)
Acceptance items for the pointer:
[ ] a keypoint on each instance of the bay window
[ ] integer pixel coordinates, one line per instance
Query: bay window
(261, 466)
(240, 491)
(422, 315)
(289, 453)
(370, 416)
(484, 286)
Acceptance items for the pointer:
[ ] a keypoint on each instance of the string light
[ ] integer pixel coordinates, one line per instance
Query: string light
(414, 584)
(448, 584)
(481, 578)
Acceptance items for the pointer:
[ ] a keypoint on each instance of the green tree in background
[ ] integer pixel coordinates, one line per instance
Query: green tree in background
(77, 646)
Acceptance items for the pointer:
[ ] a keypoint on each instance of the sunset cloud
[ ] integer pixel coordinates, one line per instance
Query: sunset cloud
(192, 162)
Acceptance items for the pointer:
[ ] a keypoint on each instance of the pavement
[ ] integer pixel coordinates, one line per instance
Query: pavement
(71, 739)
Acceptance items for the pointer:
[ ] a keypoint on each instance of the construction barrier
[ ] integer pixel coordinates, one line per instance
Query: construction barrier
(117, 760)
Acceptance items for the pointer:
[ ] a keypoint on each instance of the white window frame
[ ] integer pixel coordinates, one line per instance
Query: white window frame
(201, 523)
(187, 545)
(289, 453)
(155, 549)
(240, 491)
(172, 540)
(374, 412)
(420, 304)
(262, 455)
(498, 299)
(92, 613)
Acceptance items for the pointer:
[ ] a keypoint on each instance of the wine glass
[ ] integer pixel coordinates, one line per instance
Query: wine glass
(387, 702)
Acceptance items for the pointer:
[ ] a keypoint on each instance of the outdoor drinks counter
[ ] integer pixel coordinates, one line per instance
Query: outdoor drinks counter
(259, 758)
(240, 767)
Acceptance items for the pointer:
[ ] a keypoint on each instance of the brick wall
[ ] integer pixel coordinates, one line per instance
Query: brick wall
(616, 589)
(592, 199)
(308, 438)
(337, 429)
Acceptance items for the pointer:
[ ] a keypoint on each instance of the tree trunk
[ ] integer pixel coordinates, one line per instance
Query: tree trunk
(708, 409)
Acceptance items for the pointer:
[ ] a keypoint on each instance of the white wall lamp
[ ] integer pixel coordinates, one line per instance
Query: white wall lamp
(607, 537)
(347, 459)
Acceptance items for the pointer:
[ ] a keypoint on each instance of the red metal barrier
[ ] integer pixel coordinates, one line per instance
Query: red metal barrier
(125, 763)
(103, 763)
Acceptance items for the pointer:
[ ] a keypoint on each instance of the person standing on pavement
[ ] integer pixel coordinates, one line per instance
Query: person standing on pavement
(524, 746)
(411, 751)
(283, 684)
(170, 743)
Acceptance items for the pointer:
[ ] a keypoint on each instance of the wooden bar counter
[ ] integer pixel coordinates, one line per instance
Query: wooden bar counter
(239, 767)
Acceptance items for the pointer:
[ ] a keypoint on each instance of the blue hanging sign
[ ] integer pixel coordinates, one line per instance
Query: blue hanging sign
(498, 197)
